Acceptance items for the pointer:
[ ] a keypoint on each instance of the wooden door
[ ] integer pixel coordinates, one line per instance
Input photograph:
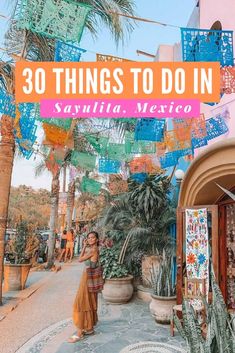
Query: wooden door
(227, 250)
(212, 211)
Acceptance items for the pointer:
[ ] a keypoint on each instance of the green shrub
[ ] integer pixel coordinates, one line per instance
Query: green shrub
(109, 262)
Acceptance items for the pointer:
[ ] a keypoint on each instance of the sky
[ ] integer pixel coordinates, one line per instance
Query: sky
(146, 37)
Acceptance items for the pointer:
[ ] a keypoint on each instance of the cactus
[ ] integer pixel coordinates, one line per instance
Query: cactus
(220, 336)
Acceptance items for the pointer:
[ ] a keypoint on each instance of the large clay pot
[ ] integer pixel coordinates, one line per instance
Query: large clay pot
(15, 276)
(118, 290)
(150, 265)
(144, 293)
(161, 308)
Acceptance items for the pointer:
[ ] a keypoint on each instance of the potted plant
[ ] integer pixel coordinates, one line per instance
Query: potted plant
(20, 250)
(118, 287)
(163, 297)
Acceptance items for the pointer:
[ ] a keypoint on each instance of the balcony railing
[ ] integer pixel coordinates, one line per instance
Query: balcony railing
(207, 45)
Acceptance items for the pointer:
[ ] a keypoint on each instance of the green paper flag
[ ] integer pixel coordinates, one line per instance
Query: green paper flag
(98, 143)
(63, 124)
(138, 147)
(131, 121)
(61, 19)
(90, 185)
(116, 151)
(83, 160)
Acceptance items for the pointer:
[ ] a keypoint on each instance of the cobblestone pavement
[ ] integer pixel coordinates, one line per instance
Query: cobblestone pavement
(42, 323)
(119, 327)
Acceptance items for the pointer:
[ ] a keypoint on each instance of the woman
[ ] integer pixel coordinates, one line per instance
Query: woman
(85, 305)
(69, 245)
(63, 244)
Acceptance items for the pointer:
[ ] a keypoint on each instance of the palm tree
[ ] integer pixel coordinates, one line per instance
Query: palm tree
(37, 48)
(55, 189)
(141, 218)
(70, 203)
(7, 150)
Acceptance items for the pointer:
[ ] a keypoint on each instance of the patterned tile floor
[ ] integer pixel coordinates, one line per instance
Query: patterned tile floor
(129, 325)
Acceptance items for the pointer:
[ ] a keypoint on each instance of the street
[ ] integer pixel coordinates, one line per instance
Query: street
(42, 322)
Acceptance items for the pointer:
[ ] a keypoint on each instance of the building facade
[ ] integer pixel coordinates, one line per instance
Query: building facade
(213, 165)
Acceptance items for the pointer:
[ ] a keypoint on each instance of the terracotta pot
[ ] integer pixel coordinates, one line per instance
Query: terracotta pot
(144, 293)
(118, 290)
(150, 264)
(161, 308)
(15, 276)
(136, 282)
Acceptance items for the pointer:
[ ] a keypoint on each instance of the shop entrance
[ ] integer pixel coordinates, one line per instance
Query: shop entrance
(201, 188)
(221, 234)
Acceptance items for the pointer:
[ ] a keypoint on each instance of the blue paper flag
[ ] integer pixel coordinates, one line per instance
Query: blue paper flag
(150, 129)
(7, 105)
(109, 166)
(216, 127)
(28, 128)
(170, 159)
(25, 147)
(65, 52)
(139, 177)
(184, 152)
(198, 142)
(207, 45)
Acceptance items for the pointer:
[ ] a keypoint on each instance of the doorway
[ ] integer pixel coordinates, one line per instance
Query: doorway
(227, 249)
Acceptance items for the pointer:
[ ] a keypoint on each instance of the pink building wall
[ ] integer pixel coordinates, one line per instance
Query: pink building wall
(208, 12)
(211, 11)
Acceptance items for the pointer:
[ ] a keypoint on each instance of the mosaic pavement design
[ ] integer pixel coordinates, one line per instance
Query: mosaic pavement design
(126, 328)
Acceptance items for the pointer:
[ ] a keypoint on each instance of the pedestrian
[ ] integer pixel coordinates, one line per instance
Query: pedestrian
(63, 242)
(69, 245)
(85, 305)
(57, 245)
(76, 245)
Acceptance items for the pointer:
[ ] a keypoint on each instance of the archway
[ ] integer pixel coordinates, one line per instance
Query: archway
(215, 164)
(199, 190)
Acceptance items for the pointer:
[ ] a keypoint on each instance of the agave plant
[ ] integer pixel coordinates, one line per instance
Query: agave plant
(219, 336)
(161, 277)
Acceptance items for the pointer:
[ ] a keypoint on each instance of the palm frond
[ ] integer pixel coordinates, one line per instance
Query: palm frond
(119, 26)
(7, 77)
(40, 169)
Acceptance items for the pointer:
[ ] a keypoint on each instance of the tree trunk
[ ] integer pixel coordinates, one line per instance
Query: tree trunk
(55, 188)
(70, 204)
(7, 150)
